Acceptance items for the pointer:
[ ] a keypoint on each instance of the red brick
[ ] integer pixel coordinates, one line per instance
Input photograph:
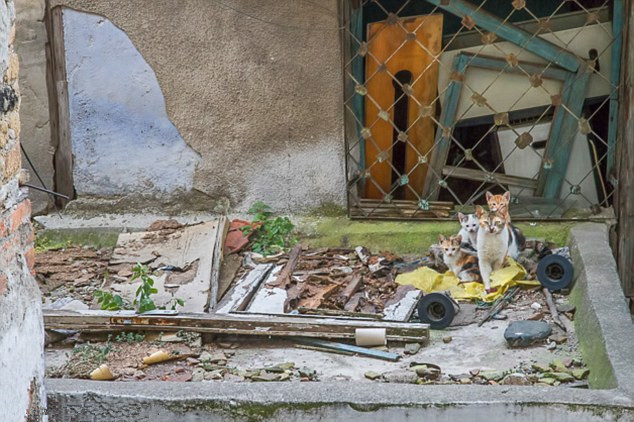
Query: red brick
(20, 215)
(3, 284)
(29, 256)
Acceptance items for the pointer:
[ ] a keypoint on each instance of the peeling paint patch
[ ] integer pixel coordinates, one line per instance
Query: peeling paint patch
(122, 139)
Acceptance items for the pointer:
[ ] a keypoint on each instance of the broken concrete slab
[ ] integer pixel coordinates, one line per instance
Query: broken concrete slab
(182, 260)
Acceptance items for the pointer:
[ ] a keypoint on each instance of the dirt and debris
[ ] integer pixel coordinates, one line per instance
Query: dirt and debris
(71, 272)
(337, 279)
(328, 281)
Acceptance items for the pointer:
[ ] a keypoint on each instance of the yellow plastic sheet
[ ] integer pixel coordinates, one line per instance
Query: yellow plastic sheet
(429, 281)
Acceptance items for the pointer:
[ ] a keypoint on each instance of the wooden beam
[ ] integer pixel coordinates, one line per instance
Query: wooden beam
(216, 262)
(536, 45)
(234, 324)
(481, 176)
(59, 110)
(615, 81)
(447, 120)
(497, 63)
(563, 131)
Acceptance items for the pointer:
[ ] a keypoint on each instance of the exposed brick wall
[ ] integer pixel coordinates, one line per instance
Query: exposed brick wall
(21, 331)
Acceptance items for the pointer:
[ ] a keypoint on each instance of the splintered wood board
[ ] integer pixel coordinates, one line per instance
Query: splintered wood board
(402, 305)
(234, 324)
(240, 294)
(191, 248)
(269, 300)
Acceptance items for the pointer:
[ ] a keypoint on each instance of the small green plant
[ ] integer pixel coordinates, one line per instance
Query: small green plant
(109, 302)
(92, 353)
(129, 337)
(143, 302)
(269, 234)
(172, 304)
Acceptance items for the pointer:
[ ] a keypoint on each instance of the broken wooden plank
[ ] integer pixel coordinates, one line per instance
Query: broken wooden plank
(269, 300)
(293, 295)
(216, 263)
(234, 324)
(284, 277)
(243, 289)
(481, 176)
(353, 303)
(353, 285)
(563, 131)
(180, 261)
(315, 301)
(445, 128)
(342, 347)
(401, 307)
(553, 309)
(337, 312)
(524, 39)
(230, 266)
(500, 64)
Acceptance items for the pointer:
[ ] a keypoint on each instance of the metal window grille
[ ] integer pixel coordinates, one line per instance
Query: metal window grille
(448, 99)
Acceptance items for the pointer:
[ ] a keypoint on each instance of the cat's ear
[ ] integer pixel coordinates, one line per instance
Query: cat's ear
(441, 238)
(458, 238)
(489, 196)
(479, 211)
(461, 217)
(507, 196)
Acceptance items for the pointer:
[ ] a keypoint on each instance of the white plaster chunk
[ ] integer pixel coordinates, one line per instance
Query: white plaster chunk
(122, 139)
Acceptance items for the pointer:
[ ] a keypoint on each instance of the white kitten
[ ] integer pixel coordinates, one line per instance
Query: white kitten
(469, 230)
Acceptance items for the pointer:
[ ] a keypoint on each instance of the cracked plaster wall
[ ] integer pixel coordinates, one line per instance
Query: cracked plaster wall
(260, 99)
(122, 140)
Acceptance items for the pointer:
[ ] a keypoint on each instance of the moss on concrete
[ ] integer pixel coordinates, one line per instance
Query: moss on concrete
(403, 237)
(328, 209)
(98, 238)
(588, 331)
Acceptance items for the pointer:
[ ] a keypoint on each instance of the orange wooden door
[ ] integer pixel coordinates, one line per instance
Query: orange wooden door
(393, 54)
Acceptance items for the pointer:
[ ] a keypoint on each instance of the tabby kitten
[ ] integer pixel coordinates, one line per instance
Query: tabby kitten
(469, 230)
(499, 203)
(463, 264)
(494, 239)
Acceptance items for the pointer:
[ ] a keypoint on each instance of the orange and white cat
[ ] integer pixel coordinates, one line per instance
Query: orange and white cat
(494, 239)
(464, 265)
(499, 203)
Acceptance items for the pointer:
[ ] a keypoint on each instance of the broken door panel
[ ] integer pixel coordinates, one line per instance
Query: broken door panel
(401, 81)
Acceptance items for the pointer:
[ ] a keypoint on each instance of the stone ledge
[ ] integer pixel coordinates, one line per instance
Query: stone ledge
(602, 312)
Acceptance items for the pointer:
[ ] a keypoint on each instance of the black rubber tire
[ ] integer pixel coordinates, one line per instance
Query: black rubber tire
(437, 310)
(555, 272)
